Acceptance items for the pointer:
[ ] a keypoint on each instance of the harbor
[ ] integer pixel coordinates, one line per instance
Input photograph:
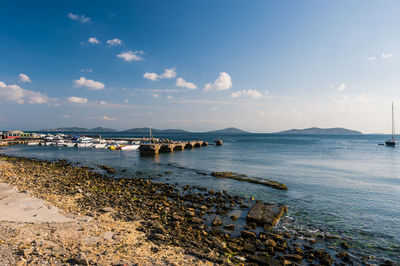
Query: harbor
(145, 145)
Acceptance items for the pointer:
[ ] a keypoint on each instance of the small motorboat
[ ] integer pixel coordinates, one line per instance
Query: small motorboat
(131, 147)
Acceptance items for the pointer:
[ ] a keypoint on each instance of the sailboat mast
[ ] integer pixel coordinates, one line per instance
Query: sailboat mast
(392, 122)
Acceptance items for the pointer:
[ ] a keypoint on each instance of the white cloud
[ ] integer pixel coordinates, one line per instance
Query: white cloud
(169, 73)
(74, 99)
(15, 93)
(169, 97)
(108, 118)
(386, 56)
(155, 95)
(131, 56)
(87, 70)
(341, 87)
(103, 102)
(66, 116)
(114, 42)
(93, 40)
(180, 82)
(88, 83)
(150, 76)
(24, 78)
(80, 18)
(370, 58)
(126, 100)
(223, 82)
(255, 94)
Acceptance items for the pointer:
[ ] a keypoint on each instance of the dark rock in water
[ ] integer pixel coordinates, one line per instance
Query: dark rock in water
(234, 217)
(251, 225)
(345, 245)
(201, 173)
(167, 173)
(256, 180)
(217, 221)
(248, 234)
(266, 214)
(108, 169)
(293, 257)
(344, 256)
(323, 257)
(230, 227)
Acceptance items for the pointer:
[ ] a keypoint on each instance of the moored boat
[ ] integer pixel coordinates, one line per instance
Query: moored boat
(392, 142)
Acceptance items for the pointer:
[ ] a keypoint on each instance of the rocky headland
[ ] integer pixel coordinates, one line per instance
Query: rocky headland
(138, 221)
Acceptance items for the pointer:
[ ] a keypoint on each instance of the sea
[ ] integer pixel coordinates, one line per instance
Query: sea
(344, 186)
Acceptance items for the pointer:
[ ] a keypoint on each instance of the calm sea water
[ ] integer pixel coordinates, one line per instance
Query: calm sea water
(338, 185)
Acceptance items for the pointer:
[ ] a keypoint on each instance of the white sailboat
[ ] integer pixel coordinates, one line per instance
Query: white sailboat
(392, 142)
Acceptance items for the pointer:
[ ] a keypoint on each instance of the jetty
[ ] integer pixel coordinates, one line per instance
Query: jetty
(156, 148)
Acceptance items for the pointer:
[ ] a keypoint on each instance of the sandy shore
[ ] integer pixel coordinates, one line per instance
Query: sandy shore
(34, 232)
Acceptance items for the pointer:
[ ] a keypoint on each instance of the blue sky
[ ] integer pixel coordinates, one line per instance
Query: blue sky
(262, 66)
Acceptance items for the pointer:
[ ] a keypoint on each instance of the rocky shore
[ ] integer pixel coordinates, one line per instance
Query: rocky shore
(137, 221)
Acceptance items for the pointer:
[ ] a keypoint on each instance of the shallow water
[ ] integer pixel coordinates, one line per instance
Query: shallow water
(339, 185)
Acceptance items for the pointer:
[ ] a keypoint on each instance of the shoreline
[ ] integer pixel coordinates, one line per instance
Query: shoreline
(167, 215)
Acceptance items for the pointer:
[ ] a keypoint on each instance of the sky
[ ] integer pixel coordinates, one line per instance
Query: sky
(262, 66)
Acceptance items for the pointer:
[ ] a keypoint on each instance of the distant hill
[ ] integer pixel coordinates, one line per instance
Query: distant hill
(80, 129)
(229, 130)
(145, 130)
(321, 131)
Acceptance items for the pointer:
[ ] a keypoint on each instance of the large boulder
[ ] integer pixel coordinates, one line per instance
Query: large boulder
(266, 215)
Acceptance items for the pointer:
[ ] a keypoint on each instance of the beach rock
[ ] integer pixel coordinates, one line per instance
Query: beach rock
(217, 221)
(323, 257)
(270, 243)
(293, 257)
(230, 227)
(107, 209)
(248, 234)
(262, 259)
(234, 217)
(235, 247)
(266, 214)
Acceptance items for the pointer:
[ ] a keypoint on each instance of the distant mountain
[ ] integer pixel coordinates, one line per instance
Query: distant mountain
(322, 131)
(229, 130)
(145, 130)
(80, 129)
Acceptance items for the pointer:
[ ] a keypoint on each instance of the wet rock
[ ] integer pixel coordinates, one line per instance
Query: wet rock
(266, 214)
(293, 257)
(235, 247)
(217, 221)
(230, 227)
(345, 245)
(344, 256)
(251, 225)
(234, 217)
(323, 257)
(270, 243)
(248, 234)
(250, 248)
